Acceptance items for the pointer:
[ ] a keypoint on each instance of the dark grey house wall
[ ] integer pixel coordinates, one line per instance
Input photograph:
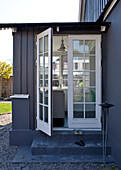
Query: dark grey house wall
(112, 79)
(24, 71)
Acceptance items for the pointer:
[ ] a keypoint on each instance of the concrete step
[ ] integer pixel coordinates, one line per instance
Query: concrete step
(40, 147)
(69, 136)
(24, 155)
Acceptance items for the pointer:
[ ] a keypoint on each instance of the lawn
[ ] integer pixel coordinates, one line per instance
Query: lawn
(5, 107)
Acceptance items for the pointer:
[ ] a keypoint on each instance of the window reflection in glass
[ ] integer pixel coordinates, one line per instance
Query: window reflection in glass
(78, 48)
(90, 111)
(78, 95)
(90, 95)
(78, 110)
(90, 46)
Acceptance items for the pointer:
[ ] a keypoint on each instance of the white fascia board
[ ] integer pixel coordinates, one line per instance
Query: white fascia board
(82, 5)
(109, 9)
(79, 15)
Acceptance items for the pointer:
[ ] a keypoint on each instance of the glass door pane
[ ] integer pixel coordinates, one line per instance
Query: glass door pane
(83, 78)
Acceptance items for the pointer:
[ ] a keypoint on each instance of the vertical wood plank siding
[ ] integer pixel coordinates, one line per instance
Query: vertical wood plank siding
(24, 69)
(24, 58)
(31, 73)
(102, 5)
(16, 63)
(94, 8)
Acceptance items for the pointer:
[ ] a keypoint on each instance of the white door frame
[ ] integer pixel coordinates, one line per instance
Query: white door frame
(87, 123)
(41, 124)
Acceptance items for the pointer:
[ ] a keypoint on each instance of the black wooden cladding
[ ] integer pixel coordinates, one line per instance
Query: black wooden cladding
(23, 67)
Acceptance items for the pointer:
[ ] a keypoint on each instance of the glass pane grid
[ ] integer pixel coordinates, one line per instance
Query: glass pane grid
(88, 82)
(43, 79)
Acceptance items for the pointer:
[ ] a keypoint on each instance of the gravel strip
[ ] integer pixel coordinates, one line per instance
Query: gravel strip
(7, 153)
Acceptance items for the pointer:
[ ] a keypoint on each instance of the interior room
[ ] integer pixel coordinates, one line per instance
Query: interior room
(60, 81)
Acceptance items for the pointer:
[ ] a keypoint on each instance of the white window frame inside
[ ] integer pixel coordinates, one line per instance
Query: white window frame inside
(86, 123)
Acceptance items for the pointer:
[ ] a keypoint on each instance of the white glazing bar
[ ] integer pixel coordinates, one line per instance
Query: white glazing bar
(84, 77)
(43, 78)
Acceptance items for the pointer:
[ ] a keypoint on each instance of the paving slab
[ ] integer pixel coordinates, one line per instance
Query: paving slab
(24, 155)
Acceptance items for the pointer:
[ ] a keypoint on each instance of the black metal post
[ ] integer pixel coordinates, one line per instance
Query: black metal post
(105, 116)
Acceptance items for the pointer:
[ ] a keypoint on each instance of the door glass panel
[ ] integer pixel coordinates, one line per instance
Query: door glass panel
(46, 83)
(90, 111)
(78, 48)
(78, 95)
(41, 62)
(41, 112)
(78, 79)
(90, 63)
(46, 61)
(78, 64)
(90, 79)
(46, 79)
(78, 110)
(46, 114)
(41, 45)
(41, 96)
(84, 79)
(46, 43)
(46, 96)
(41, 79)
(90, 46)
(90, 95)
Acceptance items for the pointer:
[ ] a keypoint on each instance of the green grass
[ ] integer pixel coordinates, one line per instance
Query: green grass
(5, 107)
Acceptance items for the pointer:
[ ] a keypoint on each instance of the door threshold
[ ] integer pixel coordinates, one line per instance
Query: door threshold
(71, 129)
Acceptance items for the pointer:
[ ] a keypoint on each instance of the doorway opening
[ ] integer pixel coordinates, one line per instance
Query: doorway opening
(72, 75)
(60, 81)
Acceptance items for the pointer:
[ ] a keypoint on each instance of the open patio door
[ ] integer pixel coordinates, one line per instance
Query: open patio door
(44, 81)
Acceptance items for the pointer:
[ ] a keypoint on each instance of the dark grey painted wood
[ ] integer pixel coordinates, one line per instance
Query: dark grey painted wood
(25, 68)
(16, 63)
(35, 79)
(31, 73)
(112, 79)
(24, 59)
(21, 117)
